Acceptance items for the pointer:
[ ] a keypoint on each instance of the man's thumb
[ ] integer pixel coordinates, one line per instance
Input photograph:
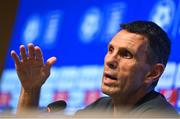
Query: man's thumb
(51, 61)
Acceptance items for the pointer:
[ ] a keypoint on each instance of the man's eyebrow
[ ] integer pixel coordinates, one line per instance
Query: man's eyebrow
(126, 49)
(110, 44)
(122, 48)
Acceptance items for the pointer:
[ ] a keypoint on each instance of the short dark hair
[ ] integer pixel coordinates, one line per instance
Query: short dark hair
(158, 46)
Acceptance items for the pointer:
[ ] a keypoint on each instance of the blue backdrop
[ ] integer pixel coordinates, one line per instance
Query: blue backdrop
(77, 33)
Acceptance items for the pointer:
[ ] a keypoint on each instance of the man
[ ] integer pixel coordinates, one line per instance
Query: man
(136, 58)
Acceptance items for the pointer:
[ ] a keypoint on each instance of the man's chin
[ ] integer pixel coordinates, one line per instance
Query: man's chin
(110, 91)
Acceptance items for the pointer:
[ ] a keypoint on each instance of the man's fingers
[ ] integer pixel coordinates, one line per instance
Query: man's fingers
(15, 57)
(31, 51)
(39, 55)
(23, 53)
(50, 62)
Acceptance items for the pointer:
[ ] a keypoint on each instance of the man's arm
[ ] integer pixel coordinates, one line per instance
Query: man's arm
(28, 100)
(32, 73)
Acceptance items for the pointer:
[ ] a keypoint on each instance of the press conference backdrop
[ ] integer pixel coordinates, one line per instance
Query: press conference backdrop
(77, 33)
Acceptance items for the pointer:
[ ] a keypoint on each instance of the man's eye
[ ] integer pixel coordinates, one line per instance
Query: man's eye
(126, 54)
(110, 49)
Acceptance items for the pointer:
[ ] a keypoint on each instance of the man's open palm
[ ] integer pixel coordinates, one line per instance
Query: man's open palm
(31, 69)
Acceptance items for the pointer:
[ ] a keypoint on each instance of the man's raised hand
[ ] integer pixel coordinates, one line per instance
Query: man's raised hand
(31, 69)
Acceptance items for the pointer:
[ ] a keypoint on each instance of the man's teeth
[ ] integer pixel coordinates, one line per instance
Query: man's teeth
(110, 77)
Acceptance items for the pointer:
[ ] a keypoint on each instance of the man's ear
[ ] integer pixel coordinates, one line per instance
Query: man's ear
(155, 73)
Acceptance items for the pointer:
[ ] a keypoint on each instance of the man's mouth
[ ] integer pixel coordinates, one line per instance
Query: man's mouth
(109, 76)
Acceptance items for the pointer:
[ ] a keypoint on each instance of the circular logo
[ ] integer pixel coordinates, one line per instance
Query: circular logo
(163, 13)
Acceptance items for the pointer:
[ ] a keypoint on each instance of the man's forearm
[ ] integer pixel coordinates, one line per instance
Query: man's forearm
(28, 100)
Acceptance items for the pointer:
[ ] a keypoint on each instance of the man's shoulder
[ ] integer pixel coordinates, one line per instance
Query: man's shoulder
(156, 104)
(157, 101)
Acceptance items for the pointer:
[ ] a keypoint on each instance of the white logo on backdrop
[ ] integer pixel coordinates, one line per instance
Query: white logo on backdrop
(114, 15)
(53, 19)
(32, 29)
(90, 25)
(42, 29)
(163, 13)
(93, 19)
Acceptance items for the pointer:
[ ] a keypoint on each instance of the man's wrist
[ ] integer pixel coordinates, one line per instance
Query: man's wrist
(30, 90)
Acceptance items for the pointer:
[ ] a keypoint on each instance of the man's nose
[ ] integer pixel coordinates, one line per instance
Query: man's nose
(112, 62)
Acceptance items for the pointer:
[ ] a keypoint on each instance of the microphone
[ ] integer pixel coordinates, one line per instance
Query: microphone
(56, 106)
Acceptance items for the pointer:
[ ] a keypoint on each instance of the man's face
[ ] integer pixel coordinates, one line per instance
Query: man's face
(125, 66)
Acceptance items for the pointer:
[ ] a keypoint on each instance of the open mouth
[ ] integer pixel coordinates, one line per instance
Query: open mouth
(108, 76)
